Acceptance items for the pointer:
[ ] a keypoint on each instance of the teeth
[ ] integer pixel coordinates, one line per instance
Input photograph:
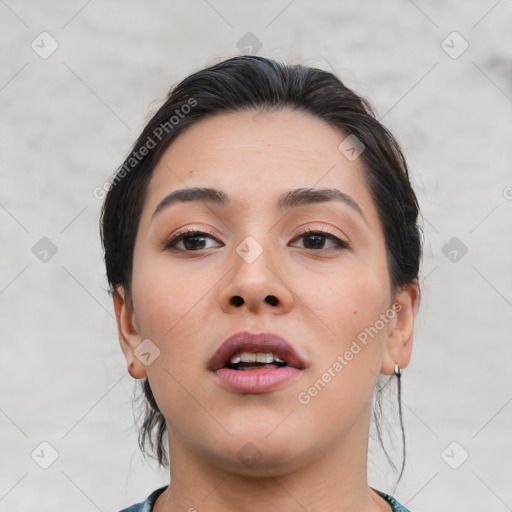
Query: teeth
(248, 358)
(260, 357)
(264, 358)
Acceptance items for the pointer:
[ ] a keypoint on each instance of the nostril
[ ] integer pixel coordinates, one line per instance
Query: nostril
(237, 301)
(272, 300)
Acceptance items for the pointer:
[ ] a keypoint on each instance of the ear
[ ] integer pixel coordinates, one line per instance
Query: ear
(129, 337)
(400, 337)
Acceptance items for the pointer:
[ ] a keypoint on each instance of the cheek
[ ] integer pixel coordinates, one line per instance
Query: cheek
(170, 312)
(164, 295)
(349, 302)
(175, 309)
(348, 361)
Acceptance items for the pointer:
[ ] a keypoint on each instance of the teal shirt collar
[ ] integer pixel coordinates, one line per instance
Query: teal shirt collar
(148, 504)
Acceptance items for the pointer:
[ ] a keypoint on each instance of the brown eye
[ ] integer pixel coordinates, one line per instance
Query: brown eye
(193, 241)
(315, 240)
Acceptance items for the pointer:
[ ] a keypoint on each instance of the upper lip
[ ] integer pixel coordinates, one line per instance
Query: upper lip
(245, 341)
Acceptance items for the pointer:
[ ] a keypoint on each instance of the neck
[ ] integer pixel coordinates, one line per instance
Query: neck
(334, 481)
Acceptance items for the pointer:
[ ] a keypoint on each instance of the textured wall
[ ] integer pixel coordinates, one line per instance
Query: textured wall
(77, 82)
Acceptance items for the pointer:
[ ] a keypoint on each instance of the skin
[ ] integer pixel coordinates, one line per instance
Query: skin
(314, 454)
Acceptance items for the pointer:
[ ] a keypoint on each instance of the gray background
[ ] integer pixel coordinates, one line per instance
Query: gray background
(68, 121)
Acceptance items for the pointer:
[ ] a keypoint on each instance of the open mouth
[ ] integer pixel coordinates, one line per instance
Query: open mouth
(256, 372)
(255, 363)
(250, 363)
(259, 361)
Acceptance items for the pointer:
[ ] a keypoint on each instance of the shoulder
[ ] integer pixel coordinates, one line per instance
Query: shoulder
(147, 504)
(395, 505)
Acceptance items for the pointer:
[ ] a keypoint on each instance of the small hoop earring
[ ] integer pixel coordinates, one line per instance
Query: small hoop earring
(397, 370)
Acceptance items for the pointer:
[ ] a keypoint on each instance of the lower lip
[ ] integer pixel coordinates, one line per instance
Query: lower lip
(255, 381)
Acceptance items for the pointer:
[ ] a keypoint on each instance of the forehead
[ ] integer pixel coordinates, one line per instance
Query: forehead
(284, 137)
(258, 156)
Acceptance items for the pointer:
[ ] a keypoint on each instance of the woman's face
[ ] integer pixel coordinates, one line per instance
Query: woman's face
(331, 292)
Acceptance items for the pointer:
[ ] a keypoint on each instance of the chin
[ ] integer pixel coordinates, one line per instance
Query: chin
(260, 456)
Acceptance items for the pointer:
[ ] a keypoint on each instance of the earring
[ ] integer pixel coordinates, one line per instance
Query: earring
(397, 370)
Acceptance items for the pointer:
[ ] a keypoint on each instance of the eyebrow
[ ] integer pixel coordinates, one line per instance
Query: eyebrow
(291, 199)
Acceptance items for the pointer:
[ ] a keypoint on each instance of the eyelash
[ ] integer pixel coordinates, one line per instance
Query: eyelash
(186, 233)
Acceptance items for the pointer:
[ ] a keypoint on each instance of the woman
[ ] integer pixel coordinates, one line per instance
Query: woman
(262, 249)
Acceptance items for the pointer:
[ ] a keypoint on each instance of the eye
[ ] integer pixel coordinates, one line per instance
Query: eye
(317, 239)
(193, 241)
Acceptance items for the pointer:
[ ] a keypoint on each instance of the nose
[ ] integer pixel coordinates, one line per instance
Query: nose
(256, 285)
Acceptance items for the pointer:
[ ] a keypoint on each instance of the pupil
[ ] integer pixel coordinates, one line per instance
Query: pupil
(193, 246)
(317, 239)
